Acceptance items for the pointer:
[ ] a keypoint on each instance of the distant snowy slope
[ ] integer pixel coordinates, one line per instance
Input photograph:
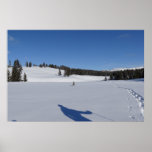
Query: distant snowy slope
(37, 74)
(122, 69)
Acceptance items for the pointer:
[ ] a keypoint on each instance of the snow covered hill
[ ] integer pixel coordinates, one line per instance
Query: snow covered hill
(37, 74)
(122, 69)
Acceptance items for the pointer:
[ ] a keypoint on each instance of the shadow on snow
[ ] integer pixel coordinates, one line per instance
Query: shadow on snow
(74, 114)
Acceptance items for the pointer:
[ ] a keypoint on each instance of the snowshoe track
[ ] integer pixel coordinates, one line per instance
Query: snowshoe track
(139, 99)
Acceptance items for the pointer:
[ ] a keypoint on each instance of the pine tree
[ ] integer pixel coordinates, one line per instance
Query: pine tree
(25, 77)
(27, 64)
(67, 72)
(43, 64)
(30, 64)
(59, 73)
(16, 71)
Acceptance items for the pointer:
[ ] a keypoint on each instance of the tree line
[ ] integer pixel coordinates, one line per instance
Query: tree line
(127, 74)
(70, 71)
(29, 64)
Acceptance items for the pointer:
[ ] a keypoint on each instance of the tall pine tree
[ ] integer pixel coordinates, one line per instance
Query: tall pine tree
(30, 64)
(27, 64)
(16, 71)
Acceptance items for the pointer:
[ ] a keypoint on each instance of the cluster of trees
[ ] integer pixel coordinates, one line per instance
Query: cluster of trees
(28, 64)
(43, 65)
(54, 66)
(49, 65)
(127, 74)
(16, 74)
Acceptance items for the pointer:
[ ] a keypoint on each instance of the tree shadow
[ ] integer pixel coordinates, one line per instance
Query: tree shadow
(74, 114)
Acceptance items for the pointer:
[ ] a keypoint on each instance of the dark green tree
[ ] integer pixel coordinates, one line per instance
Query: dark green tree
(16, 71)
(40, 65)
(27, 64)
(30, 64)
(44, 64)
(67, 72)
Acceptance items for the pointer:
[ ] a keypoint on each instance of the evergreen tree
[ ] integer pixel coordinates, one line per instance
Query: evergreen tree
(27, 64)
(44, 64)
(67, 72)
(25, 77)
(16, 71)
(30, 64)
(40, 65)
(59, 73)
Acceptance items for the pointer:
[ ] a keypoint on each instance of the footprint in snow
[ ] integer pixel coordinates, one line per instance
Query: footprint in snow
(132, 117)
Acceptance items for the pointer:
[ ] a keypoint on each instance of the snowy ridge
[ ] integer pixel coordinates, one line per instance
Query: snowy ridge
(122, 69)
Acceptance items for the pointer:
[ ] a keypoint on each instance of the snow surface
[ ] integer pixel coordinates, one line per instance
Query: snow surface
(120, 100)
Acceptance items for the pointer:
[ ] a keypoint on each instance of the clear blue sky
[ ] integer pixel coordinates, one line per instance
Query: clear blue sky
(88, 49)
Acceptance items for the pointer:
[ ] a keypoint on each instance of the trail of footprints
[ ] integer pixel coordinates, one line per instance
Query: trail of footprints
(140, 101)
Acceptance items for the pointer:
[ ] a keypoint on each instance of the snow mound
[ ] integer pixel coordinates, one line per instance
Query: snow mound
(37, 74)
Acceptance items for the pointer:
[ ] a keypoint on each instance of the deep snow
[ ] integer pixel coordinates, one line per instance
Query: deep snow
(86, 101)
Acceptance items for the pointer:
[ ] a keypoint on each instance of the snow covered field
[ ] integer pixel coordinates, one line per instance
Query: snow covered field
(86, 101)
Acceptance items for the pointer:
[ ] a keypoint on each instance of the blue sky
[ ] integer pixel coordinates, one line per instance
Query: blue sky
(88, 49)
